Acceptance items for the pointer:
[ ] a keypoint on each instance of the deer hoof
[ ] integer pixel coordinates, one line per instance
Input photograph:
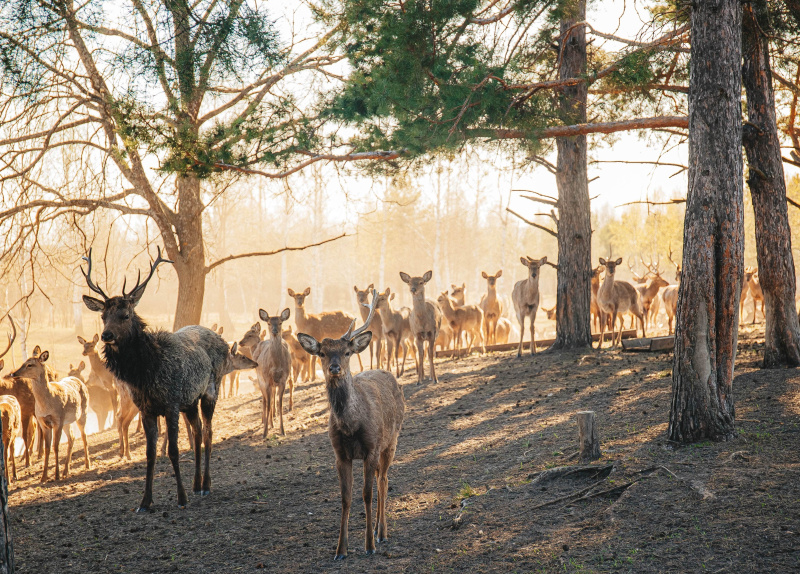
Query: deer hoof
(142, 510)
(181, 507)
(370, 552)
(205, 492)
(339, 557)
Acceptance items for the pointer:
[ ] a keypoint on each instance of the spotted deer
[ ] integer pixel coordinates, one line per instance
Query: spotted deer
(376, 344)
(366, 415)
(492, 307)
(320, 325)
(425, 320)
(58, 405)
(616, 298)
(525, 297)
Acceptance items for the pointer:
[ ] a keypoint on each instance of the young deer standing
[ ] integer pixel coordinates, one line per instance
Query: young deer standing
(376, 344)
(11, 416)
(525, 297)
(503, 331)
(754, 288)
(99, 375)
(21, 389)
(492, 307)
(320, 325)
(167, 374)
(365, 419)
(396, 326)
(274, 367)
(99, 397)
(425, 322)
(616, 298)
(670, 294)
(648, 292)
(58, 405)
(301, 362)
(466, 319)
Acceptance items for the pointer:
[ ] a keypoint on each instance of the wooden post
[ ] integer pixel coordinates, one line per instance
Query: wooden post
(587, 437)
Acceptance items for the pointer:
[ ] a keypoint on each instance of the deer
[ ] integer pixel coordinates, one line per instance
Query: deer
(594, 308)
(11, 416)
(366, 415)
(58, 405)
(550, 313)
(503, 331)
(525, 298)
(274, 367)
(301, 362)
(396, 326)
(376, 345)
(756, 293)
(167, 374)
(425, 321)
(616, 298)
(319, 325)
(446, 337)
(648, 292)
(99, 397)
(492, 307)
(100, 375)
(20, 389)
(467, 319)
(670, 294)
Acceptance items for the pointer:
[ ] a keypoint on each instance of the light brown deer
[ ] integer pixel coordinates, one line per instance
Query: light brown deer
(99, 397)
(99, 375)
(366, 416)
(551, 313)
(446, 337)
(616, 298)
(376, 344)
(426, 320)
(648, 292)
(320, 325)
(58, 405)
(459, 294)
(396, 326)
(301, 362)
(21, 389)
(11, 416)
(525, 297)
(503, 331)
(754, 288)
(670, 295)
(466, 319)
(492, 307)
(593, 306)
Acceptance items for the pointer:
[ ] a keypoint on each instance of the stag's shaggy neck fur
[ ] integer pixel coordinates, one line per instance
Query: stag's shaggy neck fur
(338, 396)
(136, 360)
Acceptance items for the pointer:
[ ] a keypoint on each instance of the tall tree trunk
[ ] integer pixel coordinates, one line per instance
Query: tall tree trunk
(190, 258)
(713, 245)
(768, 190)
(573, 327)
(7, 551)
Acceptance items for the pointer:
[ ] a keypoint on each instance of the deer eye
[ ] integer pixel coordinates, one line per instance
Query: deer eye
(322, 354)
(347, 354)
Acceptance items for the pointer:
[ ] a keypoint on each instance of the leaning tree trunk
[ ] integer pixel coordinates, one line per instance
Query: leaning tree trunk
(768, 190)
(574, 296)
(190, 259)
(713, 248)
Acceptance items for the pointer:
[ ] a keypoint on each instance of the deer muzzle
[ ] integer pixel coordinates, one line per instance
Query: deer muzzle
(107, 337)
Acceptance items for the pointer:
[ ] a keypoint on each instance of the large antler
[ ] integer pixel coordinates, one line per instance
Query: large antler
(670, 258)
(139, 288)
(350, 335)
(11, 338)
(88, 276)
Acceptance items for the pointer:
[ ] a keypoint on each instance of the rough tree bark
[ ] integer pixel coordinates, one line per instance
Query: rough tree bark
(713, 250)
(573, 327)
(188, 253)
(7, 554)
(768, 190)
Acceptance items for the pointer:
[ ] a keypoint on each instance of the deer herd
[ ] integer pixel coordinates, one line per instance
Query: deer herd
(160, 375)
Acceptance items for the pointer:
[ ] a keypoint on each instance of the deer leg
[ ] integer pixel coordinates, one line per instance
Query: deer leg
(387, 456)
(614, 327)
(207, 406)
(754, 311)
(281, 388)
(378, 348)
(173, 429)
(291, 395)
(420, 363)
(431, 353)
(40, 439)
(27, 436)
(124, 441)
(13, 459)
(345, 470)
(533, 334)
(370, 468)
(270, 407)
(82, 429)
(313, 368)
(194, 418)
(70, 444)
(150, 423)
(371, 352)
(360, 364)
(47, 435)
(521, 319)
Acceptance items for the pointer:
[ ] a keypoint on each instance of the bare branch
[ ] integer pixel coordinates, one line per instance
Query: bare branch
(584, 129)
(532, 223)
(357, 156)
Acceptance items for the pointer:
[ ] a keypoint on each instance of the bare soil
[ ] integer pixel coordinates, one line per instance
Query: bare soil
(472, 488)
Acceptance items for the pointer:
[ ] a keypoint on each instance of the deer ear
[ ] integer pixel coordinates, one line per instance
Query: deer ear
(256, 327)
(391, 297)
(81, 340)
(44, 356)
(602, 261)
(81, 366)
(263, 315)
(214, 327)
(234, 348)
(543, 260)
(619, 261)
(387, 292)
(93, 304)
(523, 261)
(355, 288)
(371, 287)
(484, 275)
(309, 343)
(307, 292)
(361, 342)
(220, 330)
(453, 287)
(37, 350)
(95, 338)
(427, 276)
(405, 277)
(285, 315)
(499, 273)
(291, 292)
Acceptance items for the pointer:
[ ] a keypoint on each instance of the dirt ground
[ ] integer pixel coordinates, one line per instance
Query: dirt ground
(472, 489)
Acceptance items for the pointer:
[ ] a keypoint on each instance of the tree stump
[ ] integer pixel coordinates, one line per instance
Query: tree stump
(588, 440)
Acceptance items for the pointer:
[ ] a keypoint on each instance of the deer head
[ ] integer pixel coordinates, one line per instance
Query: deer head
(33, 368)
(88, 346)
(120, 321)
(299, 298)
(611, 266)
(492, 279)
(76, 371)
(274, 324)
(252, 337)
(335, 354)
(533, 265)
(416, 284)
(238, 362)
